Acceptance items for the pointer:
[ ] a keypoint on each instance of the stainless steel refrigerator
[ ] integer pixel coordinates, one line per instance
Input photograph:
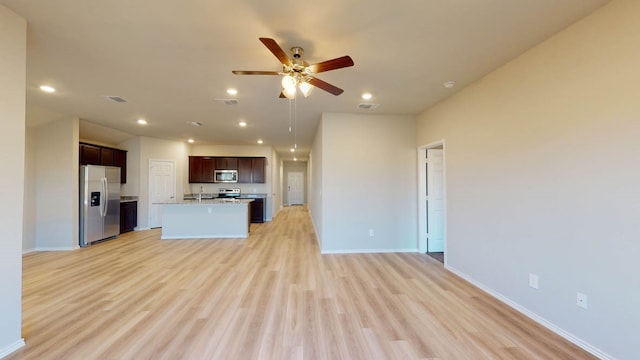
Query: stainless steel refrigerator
(99, 203)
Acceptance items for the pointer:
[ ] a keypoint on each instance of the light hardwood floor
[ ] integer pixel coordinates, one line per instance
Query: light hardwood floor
(272, 296)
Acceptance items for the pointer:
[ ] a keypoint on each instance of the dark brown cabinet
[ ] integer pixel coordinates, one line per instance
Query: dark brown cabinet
(196, 168)
(90, 155)
(257, 210)
(257, 170)
(244, 170)
(226, 163)
(128, 216)
(250, 169)
(101, 155)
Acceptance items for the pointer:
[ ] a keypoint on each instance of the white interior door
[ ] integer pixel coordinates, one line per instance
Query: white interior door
(295, 190)
(162, 188)
(435, 200)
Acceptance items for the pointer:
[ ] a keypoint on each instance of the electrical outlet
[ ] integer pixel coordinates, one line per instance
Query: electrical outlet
(581, 300)
(371, 232)
(533, 280)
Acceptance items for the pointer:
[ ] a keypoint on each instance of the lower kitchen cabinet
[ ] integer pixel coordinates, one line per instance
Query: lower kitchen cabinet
(128, 216)
(257, 210)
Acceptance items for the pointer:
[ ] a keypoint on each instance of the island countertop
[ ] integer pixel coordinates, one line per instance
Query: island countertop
(207, 202)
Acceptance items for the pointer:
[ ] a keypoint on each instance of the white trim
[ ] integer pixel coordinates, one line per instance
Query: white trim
(141, 228)
(24, 252)
(55, 249)
(11, 348)
(368, 251)
(533, 316)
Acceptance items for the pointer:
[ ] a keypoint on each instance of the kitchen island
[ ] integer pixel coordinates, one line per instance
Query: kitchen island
(206, 219)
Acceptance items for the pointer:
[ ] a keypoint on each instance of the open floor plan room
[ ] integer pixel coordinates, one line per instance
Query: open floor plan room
(271, 296)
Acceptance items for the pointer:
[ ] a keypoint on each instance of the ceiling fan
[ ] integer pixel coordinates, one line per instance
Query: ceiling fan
(298, 73)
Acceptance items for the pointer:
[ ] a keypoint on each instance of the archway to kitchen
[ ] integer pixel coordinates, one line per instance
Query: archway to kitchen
(294, 180)
(432, 200)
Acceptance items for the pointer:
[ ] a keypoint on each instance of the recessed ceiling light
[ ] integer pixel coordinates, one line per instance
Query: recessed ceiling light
(232, 91)
(47, 88)
(242, 124)
(293, 150)
(449, 84)
(190, 141)
(260, 141)
(142, 121)
(295, 159)
(367, 96)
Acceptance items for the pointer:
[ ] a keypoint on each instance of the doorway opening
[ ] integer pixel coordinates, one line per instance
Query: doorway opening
(432, 204)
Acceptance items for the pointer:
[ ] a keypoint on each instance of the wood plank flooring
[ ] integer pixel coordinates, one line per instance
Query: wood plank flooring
(271, 296)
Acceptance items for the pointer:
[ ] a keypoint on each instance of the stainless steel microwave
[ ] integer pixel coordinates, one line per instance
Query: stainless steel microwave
(225, 176)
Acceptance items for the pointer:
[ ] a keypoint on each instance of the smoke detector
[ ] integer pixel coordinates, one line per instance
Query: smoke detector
(364, 106)
(117, 99)
(228, 101)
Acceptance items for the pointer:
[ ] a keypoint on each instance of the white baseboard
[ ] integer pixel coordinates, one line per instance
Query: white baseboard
(24, 252)
(56, 248)
(535, 317)
(368, 251)
(11, 348)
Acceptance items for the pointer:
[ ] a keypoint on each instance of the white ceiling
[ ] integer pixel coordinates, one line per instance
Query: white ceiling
(171, 59)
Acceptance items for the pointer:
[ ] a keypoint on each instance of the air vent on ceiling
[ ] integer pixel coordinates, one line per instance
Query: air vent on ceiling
(367, 106)
(117, 99)
(228, 101)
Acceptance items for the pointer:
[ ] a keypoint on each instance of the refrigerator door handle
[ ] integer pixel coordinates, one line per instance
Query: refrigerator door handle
(105, 186)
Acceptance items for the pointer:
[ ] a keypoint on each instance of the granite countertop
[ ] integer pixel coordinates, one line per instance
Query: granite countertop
(207, 202)
(128, 198)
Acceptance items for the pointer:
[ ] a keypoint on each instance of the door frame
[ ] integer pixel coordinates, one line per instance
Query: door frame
(422, 207)
(175, 185)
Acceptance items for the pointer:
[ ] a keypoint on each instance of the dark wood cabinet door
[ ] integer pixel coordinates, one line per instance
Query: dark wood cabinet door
(257, 210)
(120, 160)
(226, 163)
(208, 167)
(196, 169)
(257, 170)
(107, 156)
(90, 155)
(128, 216)
(244, 170)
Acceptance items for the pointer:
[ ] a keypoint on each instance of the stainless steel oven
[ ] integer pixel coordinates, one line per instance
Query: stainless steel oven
(225, 176)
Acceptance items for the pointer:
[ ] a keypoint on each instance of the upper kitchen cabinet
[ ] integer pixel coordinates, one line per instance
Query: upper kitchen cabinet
(101, 155)
(226, 163)
(251, 169)
(90, 154)
(257, 170)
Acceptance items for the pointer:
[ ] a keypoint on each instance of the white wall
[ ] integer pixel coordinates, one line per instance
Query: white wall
(315, 204)
(368, 182)
(157, 149)
(13, 42)
(57, 194)
(543, 177)
(132, 186)
(276, 188)
(30, 205)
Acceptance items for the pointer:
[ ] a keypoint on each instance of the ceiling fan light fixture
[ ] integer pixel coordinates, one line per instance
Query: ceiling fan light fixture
(290, 93)
(289, 82)
(306, 88)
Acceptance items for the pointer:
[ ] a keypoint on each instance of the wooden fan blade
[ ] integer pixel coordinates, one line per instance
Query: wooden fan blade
(242, 72)
(276, 50)
(332, 64)
(325, 86)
